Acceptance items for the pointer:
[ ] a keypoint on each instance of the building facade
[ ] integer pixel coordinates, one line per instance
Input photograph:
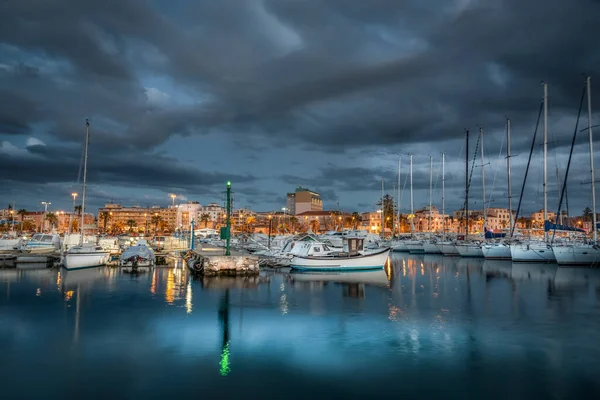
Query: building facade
(303, 200)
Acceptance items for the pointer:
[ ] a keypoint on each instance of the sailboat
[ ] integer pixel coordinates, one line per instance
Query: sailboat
(430, 246)
(413, 245)
(537, 250)
(86, 255)
(470, 248)
(501, 250)
(583, 253)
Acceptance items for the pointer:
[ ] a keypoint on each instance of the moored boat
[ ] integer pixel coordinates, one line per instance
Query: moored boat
(87, 255)
(496, 251)
(532, 252)
(140, 255)
(577, 254)
(341, 262)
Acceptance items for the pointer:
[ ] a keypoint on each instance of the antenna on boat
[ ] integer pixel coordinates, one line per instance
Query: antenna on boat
(87, 141)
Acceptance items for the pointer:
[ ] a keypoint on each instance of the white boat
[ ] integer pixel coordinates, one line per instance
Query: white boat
(430, 247)
(538, 251)
(346, 262)
(74, 239)
(577, 254)
(414, 246)
(448, 248)
(42, 243)
(400, 246)
(110, 244)
(10, 244)
(496, 251)
(140, 255)
(88, 255)
(469, 249)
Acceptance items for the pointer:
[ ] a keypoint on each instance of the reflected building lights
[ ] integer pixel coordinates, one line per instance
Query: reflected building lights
(188, 297)
(283, 304)
(169, 296)
(68, 295)
(58, 280)
(153, 284)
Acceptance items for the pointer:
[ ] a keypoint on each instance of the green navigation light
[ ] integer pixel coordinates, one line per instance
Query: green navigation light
(224, 363)
(228, 183)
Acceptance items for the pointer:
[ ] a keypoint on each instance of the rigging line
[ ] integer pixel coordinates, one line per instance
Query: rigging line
(562, 192)
(472, 167)
(500, 157)
(537, 125)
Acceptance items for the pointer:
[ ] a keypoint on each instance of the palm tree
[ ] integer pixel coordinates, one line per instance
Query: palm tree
(75, 225)
(104, 217)
(78, 209)
(314, 225)
(250, 221)
(156, 219)
(22, 212)
(131, 224)
(205, 218)
(293, 221)
(52, 219)
(27, 226)
(116, 228)
(356, 219)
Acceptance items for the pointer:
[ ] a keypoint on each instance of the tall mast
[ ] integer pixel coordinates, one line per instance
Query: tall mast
(510, 215)
(483, 178)
(443, 193)
(545, 156)
(589, 101)
(467, 184)
(430, 190)
(382, 212)
(85, 157)
(412, 210)
(398, 201)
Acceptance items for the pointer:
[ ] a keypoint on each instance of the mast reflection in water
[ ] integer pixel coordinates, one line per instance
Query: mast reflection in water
(424, 326)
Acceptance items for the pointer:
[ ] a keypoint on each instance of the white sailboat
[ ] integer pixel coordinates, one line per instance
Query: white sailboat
(429, 245)
(583, 253)
(86, 255)
(413, 245)
(537, 251)
(501, 250)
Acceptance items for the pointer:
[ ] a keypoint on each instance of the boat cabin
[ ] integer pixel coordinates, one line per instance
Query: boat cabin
(353, 245)
(44, 240)
(310, 248)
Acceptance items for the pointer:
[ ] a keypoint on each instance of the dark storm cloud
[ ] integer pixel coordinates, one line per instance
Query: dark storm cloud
(329, 75)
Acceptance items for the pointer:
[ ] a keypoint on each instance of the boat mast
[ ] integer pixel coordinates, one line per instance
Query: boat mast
(430, 190)
(443, 203)
(510, 215)
(412, 210)
(589, 104)
(398, 201)
(467, 184)
(87, 140)
(545, 157)
(382, 212)
(483, 178)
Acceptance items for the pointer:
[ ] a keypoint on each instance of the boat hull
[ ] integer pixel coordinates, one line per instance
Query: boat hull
(496, 251)
(415, 247)
(577, 255)
(400, 248)
(356, 263)
(532, 252)
(431, 248)
(469, 250)
(448, 249)
(85, 260)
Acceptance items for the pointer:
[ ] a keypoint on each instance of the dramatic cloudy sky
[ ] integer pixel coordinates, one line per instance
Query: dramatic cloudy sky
(270, 94)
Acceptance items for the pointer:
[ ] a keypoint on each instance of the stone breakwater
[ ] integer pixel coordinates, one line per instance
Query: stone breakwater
(221, 265)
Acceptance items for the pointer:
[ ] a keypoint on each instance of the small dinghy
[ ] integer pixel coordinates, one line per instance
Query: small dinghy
(138, 255)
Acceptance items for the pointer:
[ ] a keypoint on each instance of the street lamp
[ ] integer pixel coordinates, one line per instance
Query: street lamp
(270, 225)
(146, 223)
(173, 198)
(46, 204)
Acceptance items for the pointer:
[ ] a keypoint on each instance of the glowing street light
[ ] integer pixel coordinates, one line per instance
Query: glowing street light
(46, 204)
(173, 198)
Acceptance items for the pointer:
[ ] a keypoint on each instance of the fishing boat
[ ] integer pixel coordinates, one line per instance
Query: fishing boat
(140, 255)
(374, 278)
(353, 258)
(86, 255)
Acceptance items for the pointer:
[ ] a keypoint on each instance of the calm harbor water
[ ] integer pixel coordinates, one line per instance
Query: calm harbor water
(428, 327)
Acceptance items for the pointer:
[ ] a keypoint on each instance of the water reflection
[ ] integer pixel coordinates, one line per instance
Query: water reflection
(464, 321)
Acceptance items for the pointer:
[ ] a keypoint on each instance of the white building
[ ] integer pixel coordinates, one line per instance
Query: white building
(215, 211)
(186, 213)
